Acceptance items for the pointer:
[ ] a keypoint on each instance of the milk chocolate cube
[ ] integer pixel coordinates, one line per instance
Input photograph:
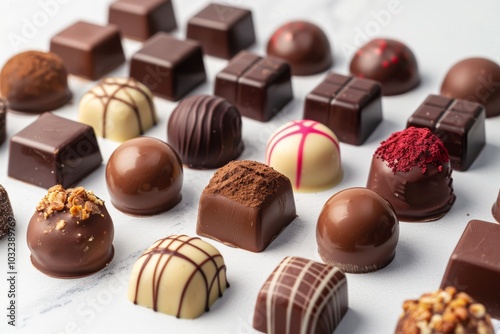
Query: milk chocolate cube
(89, 50)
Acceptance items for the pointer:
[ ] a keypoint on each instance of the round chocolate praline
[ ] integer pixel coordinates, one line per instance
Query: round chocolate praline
(357, 231)
(389, 62)
(205, 131)
(35, 82)
(303, 45)
(144, 176)
(476, 80)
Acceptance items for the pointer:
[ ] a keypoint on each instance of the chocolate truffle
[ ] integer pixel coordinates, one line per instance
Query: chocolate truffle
(258, 87)
(3, 121)
(71, 233)
(89, 50)
(477, 80)
(144, 176)
(474, 265)
(350, 107)
(308, 153)
(205, 131)
(301, 296)
(118, 109)
(495, 210)
(458, 123)
(303, 45)
(7, 221)
(178, 275)
(389, 62)
(246, 204)
(444, 311)
(141, 19)
(35, 82)
(222, 30)
(411, 169)
(357, 231)
(53, 150)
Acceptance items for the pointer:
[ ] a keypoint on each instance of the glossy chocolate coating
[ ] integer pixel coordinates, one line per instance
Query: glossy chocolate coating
(3, 121)
(76, 248)
(476, 80)
(389, 62)
(89, 50)
(141, 19)
(258, 87)
(7, 221)
(35, 82)
(144, 176)
(303, 45)
(246, 204)
(170, 67)
(222, 30)
(357, 231)
(495, 210)
(301, 296)
(205, 131)
(458, 123)
(474, 265)
(350, 107)
(53, 150)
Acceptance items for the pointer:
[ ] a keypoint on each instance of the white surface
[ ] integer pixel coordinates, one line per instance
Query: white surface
(439, 32)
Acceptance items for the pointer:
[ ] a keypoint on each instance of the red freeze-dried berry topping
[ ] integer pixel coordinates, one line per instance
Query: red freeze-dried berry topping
(412, 147)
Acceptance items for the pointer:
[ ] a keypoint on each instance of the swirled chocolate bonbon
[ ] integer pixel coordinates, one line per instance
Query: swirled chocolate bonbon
(144, 176)
(71, 233)
(179, 276)
(118, 109)
(205, 131)
(7, 221)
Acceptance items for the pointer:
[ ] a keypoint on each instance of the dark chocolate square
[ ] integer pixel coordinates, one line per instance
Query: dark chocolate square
(350, 107)
(89, 50)
(141, 19)
(258, 87)
(222, 30)
(53, 150)
(474, 265)
(170, 67)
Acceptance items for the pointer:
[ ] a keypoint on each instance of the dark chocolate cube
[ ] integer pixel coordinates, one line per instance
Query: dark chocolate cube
(169, 67)
(89, 50)
(459, 124)
(350, 107)
(259, 87)
(53, 150)
(474, 265)
(141, 19)
(222, 30)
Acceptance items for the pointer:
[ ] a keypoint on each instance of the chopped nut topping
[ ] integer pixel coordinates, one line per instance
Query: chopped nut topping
(60, 224)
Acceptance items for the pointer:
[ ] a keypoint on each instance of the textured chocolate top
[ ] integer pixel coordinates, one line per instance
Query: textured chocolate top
(247, 182)
(6, 215)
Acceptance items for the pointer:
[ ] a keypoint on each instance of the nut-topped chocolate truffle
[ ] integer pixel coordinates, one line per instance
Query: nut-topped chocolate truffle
(205, 131)
(303, 45)
(444, 312)
(35, 82)
(71, 233)
(118, 109)
(476, 80)
(411, 169)
(144, 176)
(357, 231)
(389, 62)
(7, 221)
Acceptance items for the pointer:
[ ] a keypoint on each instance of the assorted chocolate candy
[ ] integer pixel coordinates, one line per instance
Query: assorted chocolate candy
(495, 210)
(7, 221)
(3, 121)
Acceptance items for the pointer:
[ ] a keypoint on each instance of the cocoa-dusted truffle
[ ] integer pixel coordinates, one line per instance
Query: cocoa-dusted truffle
(7, 221)
(205, 131)
(303, 45)
(3, 121)
(35, 82)
(357, 231)
(446, 312)
(411, 169)
(71, 233)
(246, 204)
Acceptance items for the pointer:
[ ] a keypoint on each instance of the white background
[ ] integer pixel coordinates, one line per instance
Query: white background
(439, 32)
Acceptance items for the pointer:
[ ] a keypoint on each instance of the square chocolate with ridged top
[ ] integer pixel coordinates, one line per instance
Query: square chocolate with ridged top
(89, 50)
(350, 107)
(458, 123)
